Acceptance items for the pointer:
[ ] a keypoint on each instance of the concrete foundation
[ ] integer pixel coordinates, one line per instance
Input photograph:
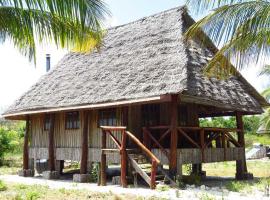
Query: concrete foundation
(50, 175)
(26, 173)
(81, 178)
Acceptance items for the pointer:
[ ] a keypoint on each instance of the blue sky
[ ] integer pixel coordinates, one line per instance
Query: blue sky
(17, 74)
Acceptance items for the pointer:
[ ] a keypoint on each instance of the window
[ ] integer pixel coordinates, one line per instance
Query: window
(72, 120)
(107, 117)
(47, 122)
(151, 115)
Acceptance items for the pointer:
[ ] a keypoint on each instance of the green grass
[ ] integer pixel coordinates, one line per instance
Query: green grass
(39, 192)
(250, 139)
(3, 186)
(259, 168)
(11, 164)
(248, 186)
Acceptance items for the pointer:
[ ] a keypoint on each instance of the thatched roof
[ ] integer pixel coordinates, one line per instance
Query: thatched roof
(140, 60)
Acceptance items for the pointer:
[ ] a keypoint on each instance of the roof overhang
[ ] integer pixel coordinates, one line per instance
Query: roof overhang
(20, 115)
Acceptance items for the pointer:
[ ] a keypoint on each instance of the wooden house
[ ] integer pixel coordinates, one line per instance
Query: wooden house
(142, 94)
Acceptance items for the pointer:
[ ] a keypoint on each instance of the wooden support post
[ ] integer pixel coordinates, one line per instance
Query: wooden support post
(103, 177)
(224, 145)
(84, 150)
(51, 144)
(241, 167)
(153, 174)
(174, 138)
(202, 144)
(124, 159)
(26, 146)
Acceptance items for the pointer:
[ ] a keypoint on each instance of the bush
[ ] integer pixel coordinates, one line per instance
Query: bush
(94, 173)
(3, 186)
(32, 195)
(235, 186)
(10, 140)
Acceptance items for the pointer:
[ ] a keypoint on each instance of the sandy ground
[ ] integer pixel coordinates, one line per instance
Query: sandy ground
(191, 192)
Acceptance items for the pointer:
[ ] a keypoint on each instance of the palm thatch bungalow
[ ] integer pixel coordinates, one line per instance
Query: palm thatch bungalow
(140, 96)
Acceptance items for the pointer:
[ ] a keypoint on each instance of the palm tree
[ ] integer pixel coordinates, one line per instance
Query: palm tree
(241, 27)
(72, 24)
(265, 118)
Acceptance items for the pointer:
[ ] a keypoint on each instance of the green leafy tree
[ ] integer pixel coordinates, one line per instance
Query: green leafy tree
(11, 138)
(265, 119)
(240, 27)
(251, 123)
(72, 24)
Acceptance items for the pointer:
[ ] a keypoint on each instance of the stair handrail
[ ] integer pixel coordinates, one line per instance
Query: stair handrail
(143, 147)
(125, 133)
(154, 159)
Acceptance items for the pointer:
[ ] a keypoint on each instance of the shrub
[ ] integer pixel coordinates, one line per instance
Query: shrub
(10, 141)
(32, 195)
(3, 186)
(94, 173)
(235, 186)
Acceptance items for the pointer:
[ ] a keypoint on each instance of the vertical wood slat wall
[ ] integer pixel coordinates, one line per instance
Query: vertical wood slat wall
(70, 138)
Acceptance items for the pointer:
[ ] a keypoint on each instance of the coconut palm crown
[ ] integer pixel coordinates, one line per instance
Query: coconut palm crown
(72, 24)
(240, 27)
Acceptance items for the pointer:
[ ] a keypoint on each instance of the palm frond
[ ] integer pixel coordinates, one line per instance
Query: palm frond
(203, 5)
(265, 119)
(72, 24)
(265, 70)
(266, 94)
(242, 27)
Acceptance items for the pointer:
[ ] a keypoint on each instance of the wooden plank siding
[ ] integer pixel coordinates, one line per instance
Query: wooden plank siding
(68, 142)
(194, 156)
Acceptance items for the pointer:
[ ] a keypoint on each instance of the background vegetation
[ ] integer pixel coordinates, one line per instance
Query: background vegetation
(11, 139)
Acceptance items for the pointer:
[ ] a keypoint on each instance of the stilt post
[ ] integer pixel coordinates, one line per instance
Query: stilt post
(26, 145)
(241, 166)
(124, 159)
(103, 177)
(174, 138)
(51, 144)
(84, 157)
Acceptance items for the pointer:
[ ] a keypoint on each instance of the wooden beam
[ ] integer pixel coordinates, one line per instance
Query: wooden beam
(153, 174)
(110, 151)
(164, 135)
(157, 144)
(26, 145)
(241, 166)
(116, 141)
(84, 150)
(139, 170)
(124, 159)
(103, 178)
(143, 147)
(224, 145)
(232, 140)
(189, 138)
(174, 136)
(51, 143)
(202, 144)
(113, 128)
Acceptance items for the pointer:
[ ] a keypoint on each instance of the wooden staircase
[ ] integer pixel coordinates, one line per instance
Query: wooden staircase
(143, 167)
(143, 163)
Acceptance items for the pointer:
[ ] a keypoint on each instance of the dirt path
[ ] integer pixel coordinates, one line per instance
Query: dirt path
(190, 193)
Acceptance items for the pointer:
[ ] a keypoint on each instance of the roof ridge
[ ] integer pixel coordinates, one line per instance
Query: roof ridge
(183, 7)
